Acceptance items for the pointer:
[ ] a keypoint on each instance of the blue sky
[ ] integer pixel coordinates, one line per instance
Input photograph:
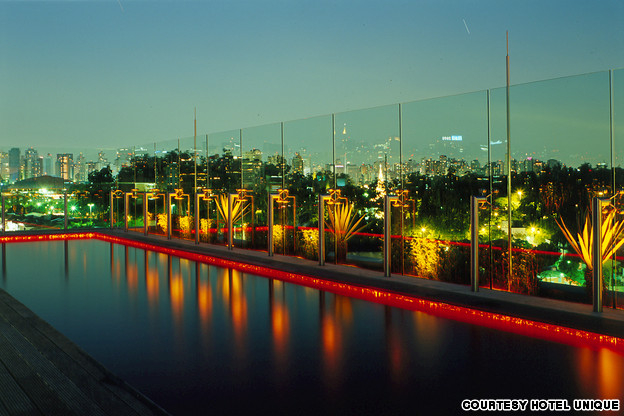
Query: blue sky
(113, 73)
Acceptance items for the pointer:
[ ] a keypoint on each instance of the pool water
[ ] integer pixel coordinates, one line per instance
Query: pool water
(200, 339)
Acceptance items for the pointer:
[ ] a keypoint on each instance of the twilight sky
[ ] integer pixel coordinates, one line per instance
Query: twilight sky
(112, 73)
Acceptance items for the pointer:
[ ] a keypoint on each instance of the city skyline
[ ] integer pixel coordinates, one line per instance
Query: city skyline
(101, 75)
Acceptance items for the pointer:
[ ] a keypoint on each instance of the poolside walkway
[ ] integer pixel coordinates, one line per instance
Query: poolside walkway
(43, 373)
(569, 314)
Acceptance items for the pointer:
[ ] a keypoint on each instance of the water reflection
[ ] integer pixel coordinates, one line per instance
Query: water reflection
(152, 285)
(4, 268)
(176, 292)
(280, 323)
(204, 295)
(172, 327)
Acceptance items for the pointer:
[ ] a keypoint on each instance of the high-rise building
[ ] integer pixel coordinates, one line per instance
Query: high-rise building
(65, 166)
(32, 165)
(80, 169)
(14, 164)
(4, 166)
(297, 163)
(48, 166)
(252, 166)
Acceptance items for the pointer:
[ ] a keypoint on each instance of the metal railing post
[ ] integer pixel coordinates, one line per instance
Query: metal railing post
(474, 242)
(126, 210)
(270, 214)
(65, 207)
(387, 244)
(110, 213)
(169, 225)
(230, 223)
(145, 219)
(197, 195)
(597, 252)
(3, 216)
(321, 229)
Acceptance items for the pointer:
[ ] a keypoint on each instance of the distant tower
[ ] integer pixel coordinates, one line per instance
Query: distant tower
(65, 166)
(14, 164)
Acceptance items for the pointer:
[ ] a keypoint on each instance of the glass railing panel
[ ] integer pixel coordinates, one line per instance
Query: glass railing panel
(497, 264)
(263, 168)
(614, 278)
(224, 177)
(167, 164)
(555, 174)
(182, 208)
(367, 167)
(445, 159)
(308, 152)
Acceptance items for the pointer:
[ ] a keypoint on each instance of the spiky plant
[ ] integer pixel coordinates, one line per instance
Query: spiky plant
(237, 208)
(343, 222)
(611, 231)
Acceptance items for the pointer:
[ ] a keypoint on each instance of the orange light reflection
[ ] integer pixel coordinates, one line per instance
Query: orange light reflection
(556, 333)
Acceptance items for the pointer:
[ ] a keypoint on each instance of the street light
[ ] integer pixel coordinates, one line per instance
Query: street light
(90, 208)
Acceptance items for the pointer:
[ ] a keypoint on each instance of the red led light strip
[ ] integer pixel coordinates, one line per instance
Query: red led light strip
(525, 327)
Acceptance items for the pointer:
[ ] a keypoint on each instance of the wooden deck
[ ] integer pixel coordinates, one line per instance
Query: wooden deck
(43, 373)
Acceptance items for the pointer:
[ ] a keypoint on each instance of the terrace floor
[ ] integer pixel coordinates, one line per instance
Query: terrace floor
(43, 373)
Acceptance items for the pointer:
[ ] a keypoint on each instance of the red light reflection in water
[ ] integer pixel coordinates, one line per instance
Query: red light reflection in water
(520, 326)
(331, 338)
(204, 300)
(176, 294)
(598, 374)
(132, 274)
(556, 333)
(152, 284)
(396, 350)
(336, 320)
(238, 306)
(280, 321)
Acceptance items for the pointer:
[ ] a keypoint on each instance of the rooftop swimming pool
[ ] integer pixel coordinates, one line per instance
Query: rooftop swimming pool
(198, 338)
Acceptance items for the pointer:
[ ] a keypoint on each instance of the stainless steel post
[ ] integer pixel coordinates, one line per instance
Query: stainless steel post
(474, 242)
(270, 235)
(230, 223)
(321, 229)
(145, 219)
(126, 210)
(168, 209)
(387, 245)
(3, 216)
(196, 217)
(111, 212)
(65, 209)
(597, 252)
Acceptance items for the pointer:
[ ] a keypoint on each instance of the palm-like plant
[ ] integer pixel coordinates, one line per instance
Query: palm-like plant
(611, 231)
(222, 206)
(343, 222)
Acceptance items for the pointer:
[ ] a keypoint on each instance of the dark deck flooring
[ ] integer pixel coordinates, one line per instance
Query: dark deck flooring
(43, 373)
